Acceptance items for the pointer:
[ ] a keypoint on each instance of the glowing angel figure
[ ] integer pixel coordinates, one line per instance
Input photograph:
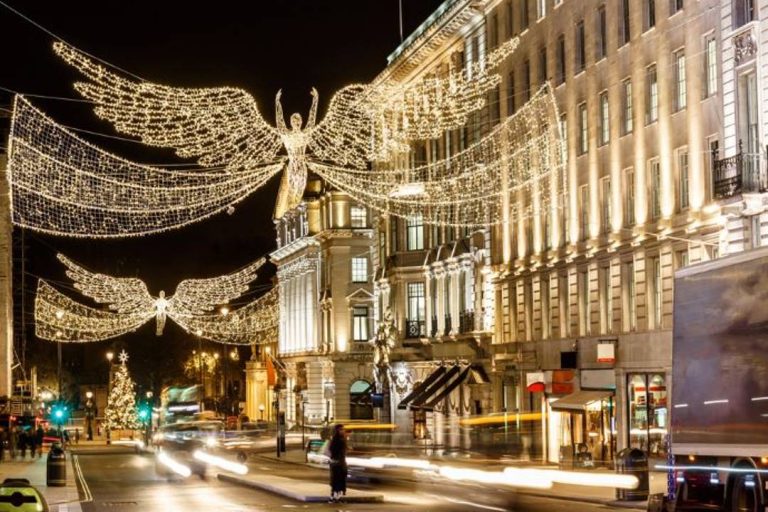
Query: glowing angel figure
(295, 140)
(223, 127)
(130, 297)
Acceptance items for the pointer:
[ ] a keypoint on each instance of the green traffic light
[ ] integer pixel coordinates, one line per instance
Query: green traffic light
(59, 414)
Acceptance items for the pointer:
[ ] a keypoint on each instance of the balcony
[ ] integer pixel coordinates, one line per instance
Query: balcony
(415, 328)
(447, 331)
(433, 332)
(743, 172)
(466, 321)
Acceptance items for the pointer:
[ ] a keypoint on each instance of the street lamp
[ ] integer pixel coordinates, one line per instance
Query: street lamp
(90, 413)
(261, 411)
(110, 356)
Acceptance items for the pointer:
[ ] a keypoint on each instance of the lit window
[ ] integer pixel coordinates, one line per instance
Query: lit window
(654, 268)
(654, 174)
(626, 121)
(584, 210)
(682, 174)
(681, 98)
(415, 228)
(651, 95)
(359, 217)
(360, 323)
(629, 197)
(711, 65)
(605, 192)
(583, 129)
(359, 270)
(605, 128)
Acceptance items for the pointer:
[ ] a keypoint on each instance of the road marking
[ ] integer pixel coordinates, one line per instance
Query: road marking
(81, 478)
(470, 503)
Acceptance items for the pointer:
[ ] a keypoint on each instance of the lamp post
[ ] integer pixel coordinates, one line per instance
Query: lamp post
(110, 356)
(148, 425)
(90, 414)
(59, 334)
(261, 412)
(216, 381)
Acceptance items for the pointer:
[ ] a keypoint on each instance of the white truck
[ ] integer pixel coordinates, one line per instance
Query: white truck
(719, 414)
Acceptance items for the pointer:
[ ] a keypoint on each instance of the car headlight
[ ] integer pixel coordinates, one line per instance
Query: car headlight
(211, 442)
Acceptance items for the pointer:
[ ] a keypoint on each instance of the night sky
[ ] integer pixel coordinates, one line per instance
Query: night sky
(291, 45)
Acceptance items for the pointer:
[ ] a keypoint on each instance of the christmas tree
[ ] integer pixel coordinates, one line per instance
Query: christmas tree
(120, 413)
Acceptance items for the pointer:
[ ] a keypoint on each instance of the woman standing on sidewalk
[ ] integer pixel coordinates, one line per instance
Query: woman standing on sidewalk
(338, 456)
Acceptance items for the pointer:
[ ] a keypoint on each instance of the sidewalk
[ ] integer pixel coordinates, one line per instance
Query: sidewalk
(597, 495)
(60, 499)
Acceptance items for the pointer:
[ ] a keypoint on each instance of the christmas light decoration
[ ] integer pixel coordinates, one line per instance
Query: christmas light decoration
(522, 155)
(120, 413)
(59, 318)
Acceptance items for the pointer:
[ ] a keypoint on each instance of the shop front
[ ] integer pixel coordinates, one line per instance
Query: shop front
(648, 414)
(582, 424)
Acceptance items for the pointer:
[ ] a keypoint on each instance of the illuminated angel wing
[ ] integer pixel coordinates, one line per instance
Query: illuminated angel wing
(127, 295)
(199, 296)
(371, 122)
(218, 126)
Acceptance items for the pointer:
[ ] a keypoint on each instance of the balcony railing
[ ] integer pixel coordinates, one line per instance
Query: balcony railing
(433, 331)
(415, 328)
(743, 172)
(466, 321)
(447, 325)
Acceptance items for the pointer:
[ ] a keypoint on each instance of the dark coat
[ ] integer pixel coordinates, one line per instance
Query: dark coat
(338, 449)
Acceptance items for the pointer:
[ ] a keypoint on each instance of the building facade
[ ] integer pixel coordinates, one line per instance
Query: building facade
(323, 260)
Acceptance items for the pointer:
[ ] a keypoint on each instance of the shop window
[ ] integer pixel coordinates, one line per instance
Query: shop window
(360, 406)
(648, 414)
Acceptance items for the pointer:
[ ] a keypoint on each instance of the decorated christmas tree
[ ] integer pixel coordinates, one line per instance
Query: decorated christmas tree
(120, 413)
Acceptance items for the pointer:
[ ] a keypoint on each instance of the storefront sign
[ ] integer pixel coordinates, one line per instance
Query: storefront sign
(534, 381)
(598, 379)
(606, 352)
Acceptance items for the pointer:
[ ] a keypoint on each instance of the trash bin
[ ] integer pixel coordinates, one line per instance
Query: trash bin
(56, 466)
(631, 461)
(18, 495)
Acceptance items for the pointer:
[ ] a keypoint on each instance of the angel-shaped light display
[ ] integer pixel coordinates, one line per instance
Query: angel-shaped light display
(362, 146)
(130, 305)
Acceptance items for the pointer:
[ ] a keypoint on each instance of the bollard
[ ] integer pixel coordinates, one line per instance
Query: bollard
(56, 467)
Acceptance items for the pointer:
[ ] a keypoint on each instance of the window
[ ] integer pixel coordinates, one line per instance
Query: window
(541, 8)
(626, 106)
(511, 93)
(360, 270)
(682, 176)
(581, 56)
(415, 229)
(393, 235)
(629, 197)
(494, 106)
(584, 210)
(756, 231)
(583, 298)
(649, 14)
(583, 129)
(527, 80)
(546, 328)
(605, 201)
(604, 129)
(651, 95)
(542, 65)
(524, 10)
(560, 76)
(360, 323)
(359, 217)
(416, 311)
(630, 315)
(743, 11)
(624, 32)
(682, 258)
(493, 31)
(601, 39)
(562, 305)
(606, 300)
(710, 65)
(360, 405)
(510, 21)
(680, 93)
(648, 413)
(654, 175)
(675, 6)
(564, 137)
(656, 291)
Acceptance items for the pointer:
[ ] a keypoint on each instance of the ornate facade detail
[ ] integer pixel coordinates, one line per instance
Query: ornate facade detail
(745, 47)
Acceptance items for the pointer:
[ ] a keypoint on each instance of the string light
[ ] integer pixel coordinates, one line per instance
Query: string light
(64, 185)
(59, 318)
(520, 156)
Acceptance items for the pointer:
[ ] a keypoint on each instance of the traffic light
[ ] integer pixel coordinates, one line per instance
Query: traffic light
(59, 413)
(145, 413)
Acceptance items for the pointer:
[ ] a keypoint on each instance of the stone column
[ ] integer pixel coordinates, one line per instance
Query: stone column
(257, 403)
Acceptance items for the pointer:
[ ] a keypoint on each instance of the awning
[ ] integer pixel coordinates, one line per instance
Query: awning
(579, 401)
(436, 385)
(418, 390)
(430, 406)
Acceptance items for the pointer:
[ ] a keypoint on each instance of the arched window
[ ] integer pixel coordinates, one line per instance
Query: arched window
(360, 407)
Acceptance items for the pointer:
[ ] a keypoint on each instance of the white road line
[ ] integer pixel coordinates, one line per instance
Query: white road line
(81, 478)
